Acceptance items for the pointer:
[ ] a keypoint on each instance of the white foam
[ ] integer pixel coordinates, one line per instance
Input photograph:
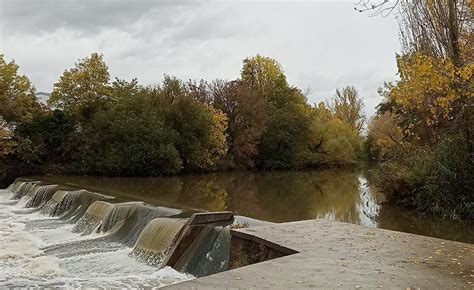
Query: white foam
(24, 263)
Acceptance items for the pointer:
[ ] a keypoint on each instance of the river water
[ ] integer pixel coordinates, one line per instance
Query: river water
(277, 196)
(27, 238)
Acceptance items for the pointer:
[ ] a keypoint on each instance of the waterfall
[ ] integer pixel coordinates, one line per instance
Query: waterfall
(209, 253)
(139, 216)
(41, 195)
(117, 215)
(93, 217)
(51, 208)
(70, 204)
(22, 189)
(156, 239)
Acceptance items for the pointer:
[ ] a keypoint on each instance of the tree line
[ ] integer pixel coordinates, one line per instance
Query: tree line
(422, 135)
(93, 124)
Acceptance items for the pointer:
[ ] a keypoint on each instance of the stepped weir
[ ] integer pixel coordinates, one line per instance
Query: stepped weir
(158, 236)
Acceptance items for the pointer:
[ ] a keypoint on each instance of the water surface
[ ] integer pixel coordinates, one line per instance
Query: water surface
(277, 196)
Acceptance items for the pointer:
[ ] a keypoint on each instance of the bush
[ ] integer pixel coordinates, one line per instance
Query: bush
(439, 181)
(449, 184)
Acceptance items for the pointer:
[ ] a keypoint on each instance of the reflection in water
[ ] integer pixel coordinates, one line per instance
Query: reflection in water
(277, 196)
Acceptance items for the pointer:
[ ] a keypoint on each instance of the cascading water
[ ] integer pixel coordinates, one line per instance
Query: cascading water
(93, 216)
(139, 217)
(22, 189)
(209, 254)
(84, 239)
(41, 195)
(156, 239)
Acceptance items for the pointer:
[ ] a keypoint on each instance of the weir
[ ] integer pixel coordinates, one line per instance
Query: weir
(196, 243)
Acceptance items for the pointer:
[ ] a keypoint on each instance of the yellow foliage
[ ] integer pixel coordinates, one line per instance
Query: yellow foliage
(384, 131)
(426, 92)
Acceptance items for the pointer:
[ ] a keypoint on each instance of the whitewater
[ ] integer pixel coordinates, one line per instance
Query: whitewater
(29, 257)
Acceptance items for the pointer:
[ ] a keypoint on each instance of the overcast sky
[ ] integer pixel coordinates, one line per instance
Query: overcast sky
(322, 45)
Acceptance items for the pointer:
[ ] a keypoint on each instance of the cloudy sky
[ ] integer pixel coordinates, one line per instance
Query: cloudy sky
(322, 45)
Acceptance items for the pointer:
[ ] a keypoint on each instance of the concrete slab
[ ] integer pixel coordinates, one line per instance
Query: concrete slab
(335, 254)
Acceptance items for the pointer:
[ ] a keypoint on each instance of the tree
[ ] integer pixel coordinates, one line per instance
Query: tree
(348, 107)
(247, 118)
(130, 137)
(423, 131)
(288, 140)
(17, 95)
(46, 134)
(438, 28)
(284, 144)
(426, 99)
(263, 74)
(82, 89)
(385, 134)
(7, 144)
(332, 141)
(201, 128)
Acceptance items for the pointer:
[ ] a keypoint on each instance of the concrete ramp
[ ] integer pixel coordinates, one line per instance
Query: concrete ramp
(330, 254)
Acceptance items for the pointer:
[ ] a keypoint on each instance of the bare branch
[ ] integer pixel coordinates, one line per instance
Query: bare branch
(383, 7)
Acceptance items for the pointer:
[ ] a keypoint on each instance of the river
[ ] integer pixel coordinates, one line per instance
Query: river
(277, 196)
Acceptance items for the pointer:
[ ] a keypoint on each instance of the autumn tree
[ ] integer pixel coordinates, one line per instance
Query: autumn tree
(18, 104)
(432, 107)
(247, 118)
(263, 74)
(348, 107)
(83, 88)
(201, 128)
(332, 140)
(385, 135)
(18, 100)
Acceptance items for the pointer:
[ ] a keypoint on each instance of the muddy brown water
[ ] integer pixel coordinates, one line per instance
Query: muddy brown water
(277, 196)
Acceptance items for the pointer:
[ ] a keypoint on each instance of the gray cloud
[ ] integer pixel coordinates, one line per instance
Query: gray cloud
(31, 16)
(322, 45)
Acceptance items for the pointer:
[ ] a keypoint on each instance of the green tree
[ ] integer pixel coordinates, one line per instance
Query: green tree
(131, 137)
(44, 137)
(285, 144)
(201, 128)
(82, 89)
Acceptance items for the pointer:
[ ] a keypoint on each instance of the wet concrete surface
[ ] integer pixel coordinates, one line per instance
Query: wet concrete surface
(341, 255)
